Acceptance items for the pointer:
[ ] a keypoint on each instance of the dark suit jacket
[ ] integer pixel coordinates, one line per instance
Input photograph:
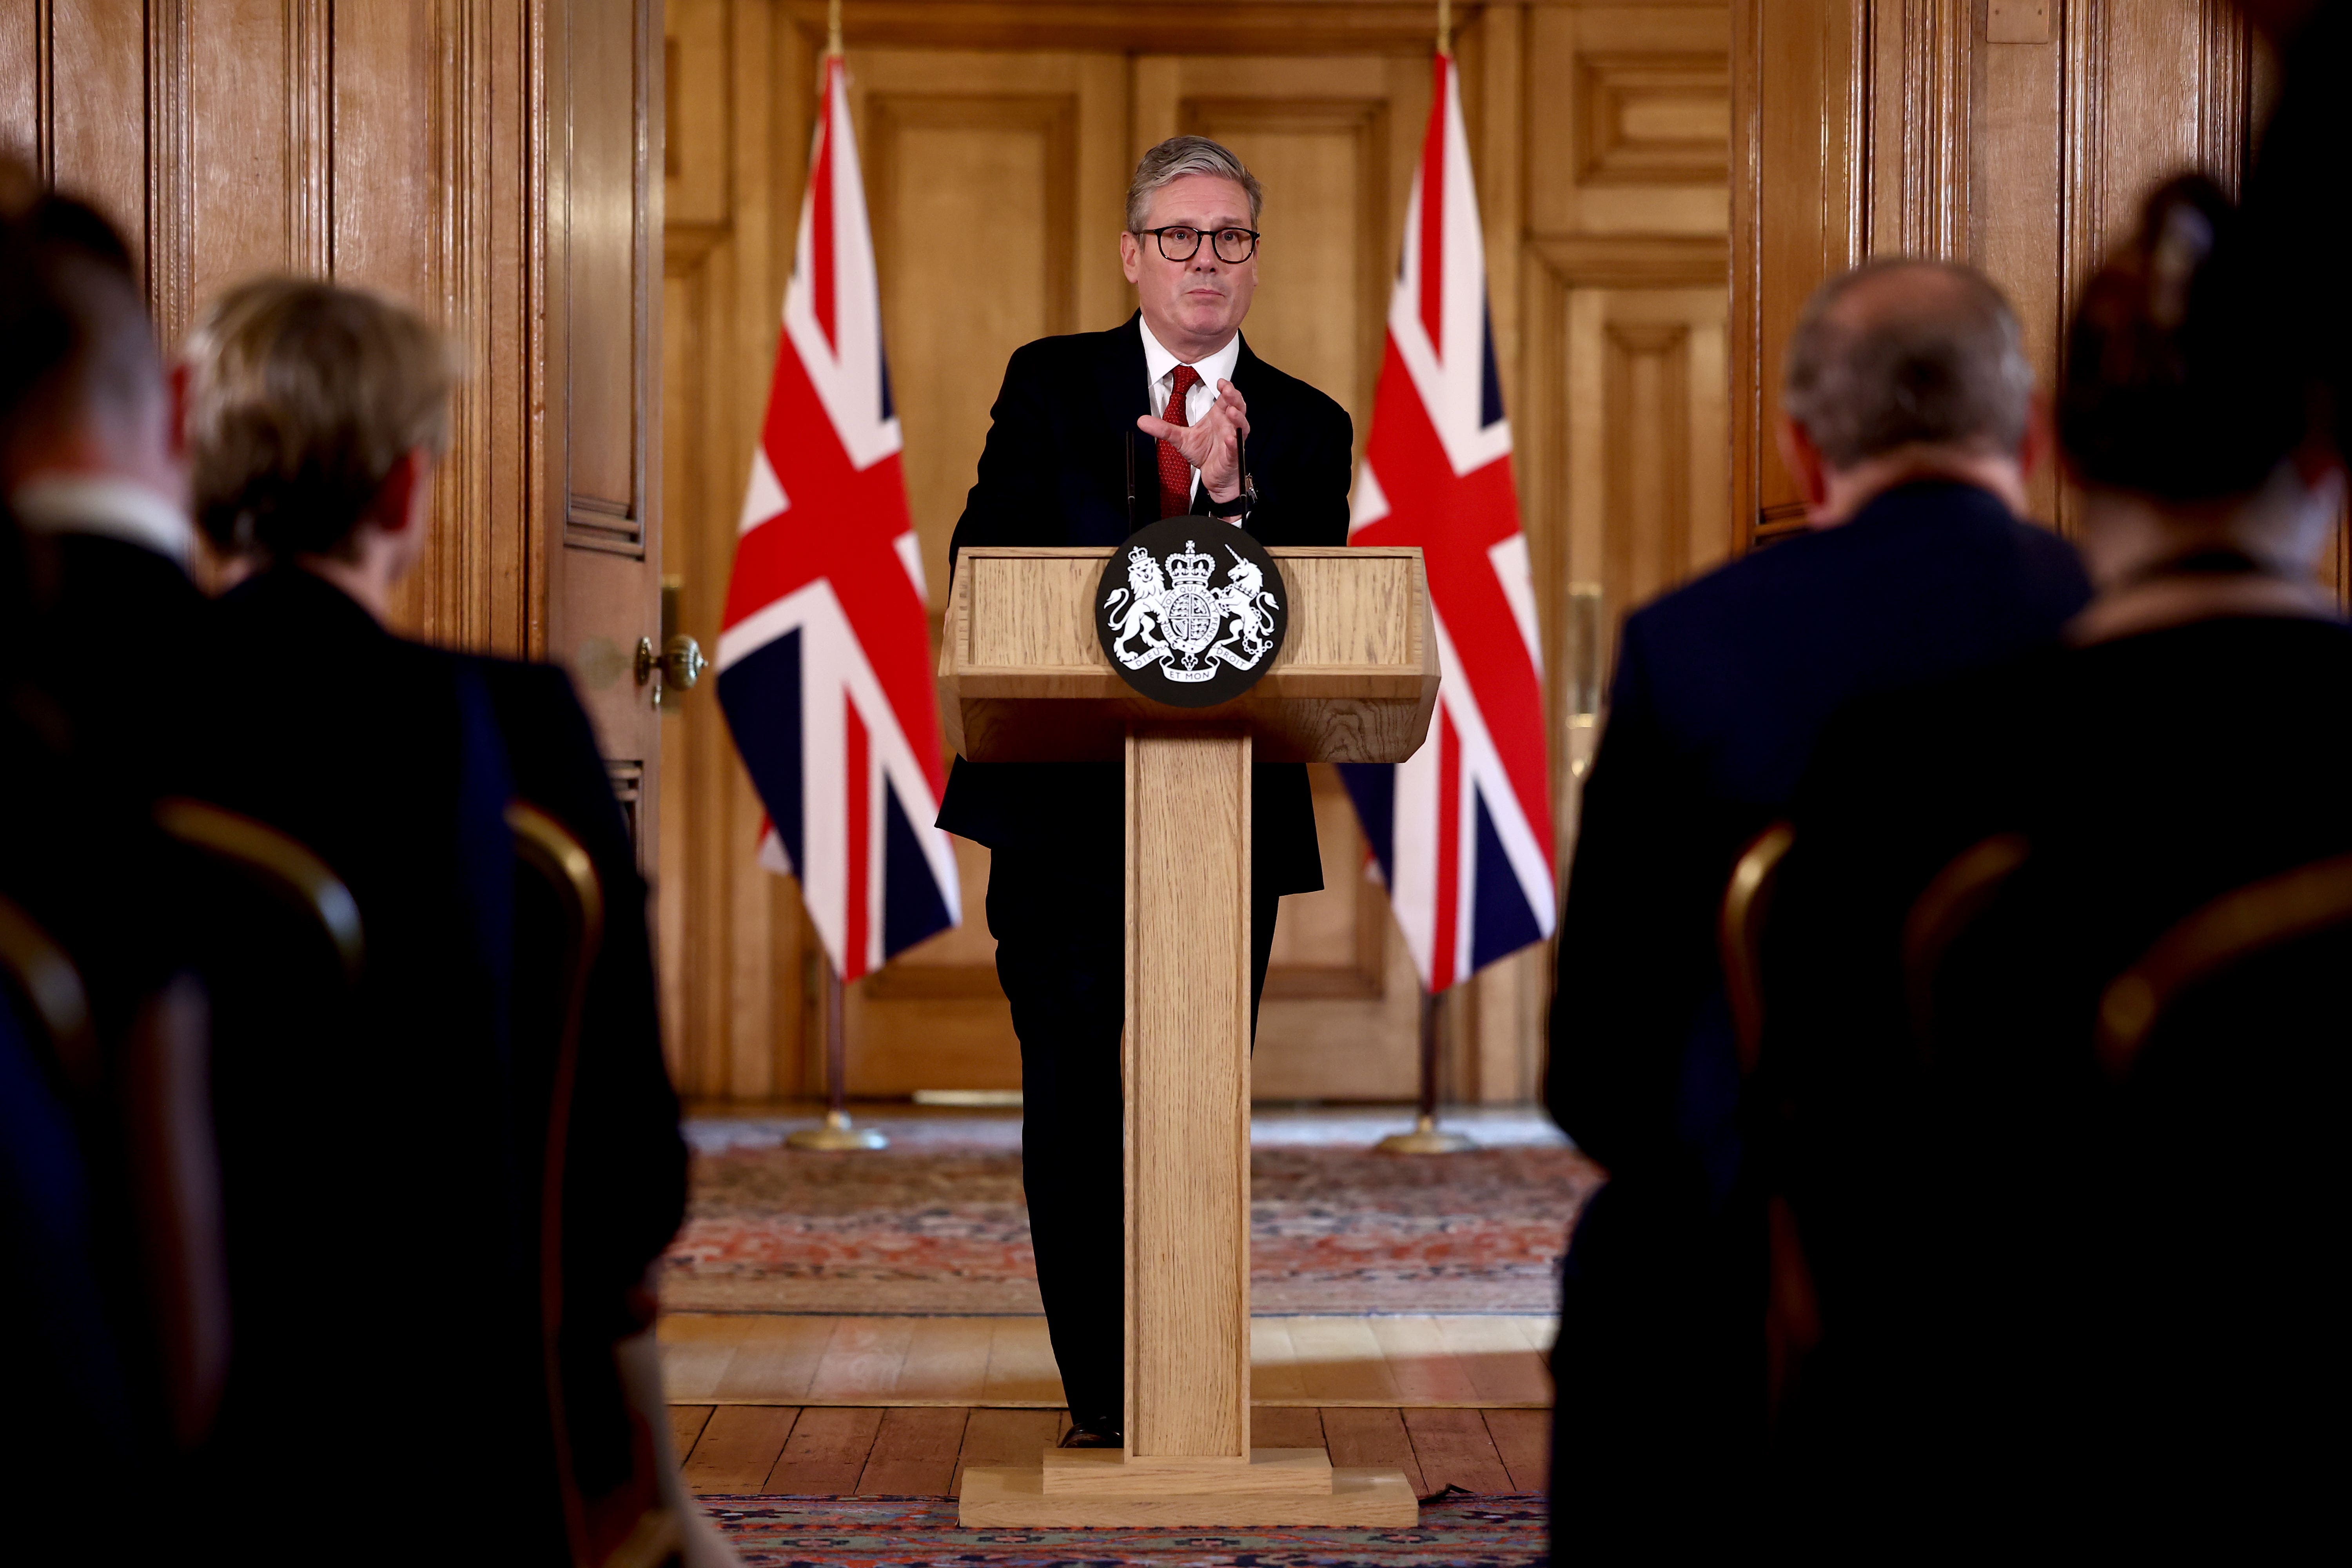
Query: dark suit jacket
(2001, 1242)
(118, 625)
(624, 1161)
(370, 1162)
(1056, 472)
(1720, 691)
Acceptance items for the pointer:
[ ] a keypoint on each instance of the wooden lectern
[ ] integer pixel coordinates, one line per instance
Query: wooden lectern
(1025, 679)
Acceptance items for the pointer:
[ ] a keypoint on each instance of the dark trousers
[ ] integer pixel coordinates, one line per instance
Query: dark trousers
(1060, 923)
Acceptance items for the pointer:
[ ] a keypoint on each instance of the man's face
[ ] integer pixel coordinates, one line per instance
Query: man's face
(1192, 307)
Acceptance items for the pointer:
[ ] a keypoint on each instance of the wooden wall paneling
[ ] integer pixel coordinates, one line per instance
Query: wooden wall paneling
(1292, 27)
(1324, 162)
(735, 1004)
(983, 169)
(382, 176)
(2016, 193)
(1629, 127)
(25, 34)
(96, 132)
(602, 515)
(171, 170)
(2026, 154)
(1799, 77)
(245, 144)
(307, 84)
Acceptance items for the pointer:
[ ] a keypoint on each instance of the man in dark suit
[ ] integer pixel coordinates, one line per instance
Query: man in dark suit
(93, 471)
(317, 414)
(1910, 426)
(1093, 436)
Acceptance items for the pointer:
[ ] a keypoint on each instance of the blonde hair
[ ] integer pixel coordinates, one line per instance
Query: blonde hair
(301, 397)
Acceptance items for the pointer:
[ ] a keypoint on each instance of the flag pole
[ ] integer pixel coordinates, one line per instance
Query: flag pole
(833, 29)
(1444, 26)
(1426, 1138)
(837, 1134)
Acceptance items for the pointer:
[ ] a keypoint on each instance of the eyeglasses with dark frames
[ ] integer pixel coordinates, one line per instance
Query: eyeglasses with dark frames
(1182, 242)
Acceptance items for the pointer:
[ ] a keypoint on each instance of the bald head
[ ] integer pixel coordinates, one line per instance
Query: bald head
(1902, 354)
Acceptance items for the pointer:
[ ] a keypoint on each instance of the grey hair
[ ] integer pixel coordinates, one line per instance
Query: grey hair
(1177, 157)
(1938, 366)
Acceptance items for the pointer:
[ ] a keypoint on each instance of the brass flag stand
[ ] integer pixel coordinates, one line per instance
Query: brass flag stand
(837, 1136)
(1427, 1137)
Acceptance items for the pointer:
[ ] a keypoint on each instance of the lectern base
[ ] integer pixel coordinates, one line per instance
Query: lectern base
(1015, 1495)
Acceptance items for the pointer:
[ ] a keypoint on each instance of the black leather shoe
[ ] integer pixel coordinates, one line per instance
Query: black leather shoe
(1093, 1434)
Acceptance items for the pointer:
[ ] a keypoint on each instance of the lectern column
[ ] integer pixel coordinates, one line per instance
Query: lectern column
(1186, 1062)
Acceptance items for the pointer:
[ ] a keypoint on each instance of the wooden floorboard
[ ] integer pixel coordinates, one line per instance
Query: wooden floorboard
(1279, 1427)
(914, 1453)
(1357, 1436)
(686, 1425)
(1021, 1369)
(826, 1453)
(737, 1449)
(1454, 1449)
(1314, 1363)
(922, 1450)
(1523, 1439)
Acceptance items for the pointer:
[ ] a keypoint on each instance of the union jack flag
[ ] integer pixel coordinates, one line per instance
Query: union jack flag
(1462, 831)
(825, 650)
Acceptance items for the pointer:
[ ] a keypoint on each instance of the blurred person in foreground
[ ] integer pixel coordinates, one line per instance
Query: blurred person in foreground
(112, 1290)
(93, 471)
(316, 416)
(2059, 1287)
(1910, 428)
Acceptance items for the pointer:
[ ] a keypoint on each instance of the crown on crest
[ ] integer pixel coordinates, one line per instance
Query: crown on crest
(1191, 570)
(1139, 556)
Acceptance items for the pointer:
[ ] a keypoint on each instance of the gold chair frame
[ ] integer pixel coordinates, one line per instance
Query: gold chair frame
(284, 865)
(2230, 930)
(1740, 935)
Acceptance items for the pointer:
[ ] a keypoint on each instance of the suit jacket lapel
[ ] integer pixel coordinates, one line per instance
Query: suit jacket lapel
(1120, 372)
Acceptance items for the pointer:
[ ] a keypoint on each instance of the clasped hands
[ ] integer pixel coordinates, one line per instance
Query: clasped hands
(1213, 444)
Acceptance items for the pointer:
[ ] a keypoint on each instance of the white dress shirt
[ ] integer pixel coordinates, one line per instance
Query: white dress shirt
(1160, 367)
(103, 504)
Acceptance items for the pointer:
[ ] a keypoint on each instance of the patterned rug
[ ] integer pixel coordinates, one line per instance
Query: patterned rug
(1488, 1531)
(934, 1229)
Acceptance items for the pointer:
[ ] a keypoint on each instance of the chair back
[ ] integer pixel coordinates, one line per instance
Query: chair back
(278, 941)
(1946, 907)
(2223, 936)
(277, 866)
(1740, 935)
(1792, 1325)
(559, 930)
(51, 988)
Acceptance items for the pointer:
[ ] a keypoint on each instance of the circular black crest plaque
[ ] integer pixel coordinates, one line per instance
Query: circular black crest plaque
(1192, 611)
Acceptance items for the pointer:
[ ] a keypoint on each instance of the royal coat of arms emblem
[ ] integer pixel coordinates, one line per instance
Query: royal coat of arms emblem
(1184, 627)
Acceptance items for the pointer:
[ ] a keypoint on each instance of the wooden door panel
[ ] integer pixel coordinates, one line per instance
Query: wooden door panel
(985, 237)
(603, 364)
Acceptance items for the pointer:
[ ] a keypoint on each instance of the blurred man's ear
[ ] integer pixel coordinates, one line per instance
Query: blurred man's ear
(1130, 254)
(177, 439)
(407, 493)
(2041, 436)
(1804, 462)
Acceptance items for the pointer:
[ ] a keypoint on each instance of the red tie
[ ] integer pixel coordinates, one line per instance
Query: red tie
(1175, 473)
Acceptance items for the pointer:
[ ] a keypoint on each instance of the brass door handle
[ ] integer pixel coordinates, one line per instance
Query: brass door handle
(681, 663)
